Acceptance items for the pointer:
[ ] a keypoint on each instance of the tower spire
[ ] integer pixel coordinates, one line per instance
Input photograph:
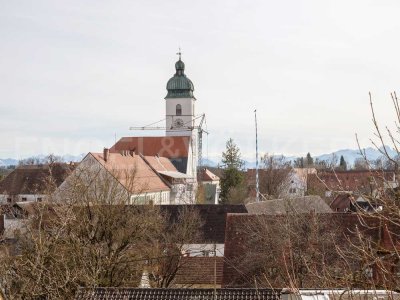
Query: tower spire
(179, 53)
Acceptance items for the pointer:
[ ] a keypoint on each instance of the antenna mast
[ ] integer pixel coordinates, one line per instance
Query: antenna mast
(257, 179)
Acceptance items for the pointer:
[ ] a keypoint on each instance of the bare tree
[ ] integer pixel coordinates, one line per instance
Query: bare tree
(385, 201)
(293, 250)
(169, 248)
(309, 250)
(349, 250)
(91, 237)
(275, 175)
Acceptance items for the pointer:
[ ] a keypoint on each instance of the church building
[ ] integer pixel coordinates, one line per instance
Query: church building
(180, 142)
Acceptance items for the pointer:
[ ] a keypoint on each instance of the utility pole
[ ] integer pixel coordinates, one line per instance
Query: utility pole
(215, 271)
(257, 179)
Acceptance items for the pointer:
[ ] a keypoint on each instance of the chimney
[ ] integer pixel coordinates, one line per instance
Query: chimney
(106, 154)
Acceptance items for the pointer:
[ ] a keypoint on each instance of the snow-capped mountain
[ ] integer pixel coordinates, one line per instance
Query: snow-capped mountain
(8, 162)
(350, 155)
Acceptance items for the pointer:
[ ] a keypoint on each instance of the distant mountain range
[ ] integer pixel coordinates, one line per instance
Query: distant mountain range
(65, 158)
(8, 162)
(350, 155)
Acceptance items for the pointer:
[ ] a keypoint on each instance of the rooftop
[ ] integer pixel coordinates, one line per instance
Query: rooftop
(214, 218)
(175, 294)
(163, 146)
(207, 175)
(293, 205)
(35, 179)
(126, 167)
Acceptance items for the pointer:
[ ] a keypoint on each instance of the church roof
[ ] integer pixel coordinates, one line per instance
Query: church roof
(180, 86)
(163, 146)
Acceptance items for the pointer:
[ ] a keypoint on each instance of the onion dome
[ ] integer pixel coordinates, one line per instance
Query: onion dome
(179, 86)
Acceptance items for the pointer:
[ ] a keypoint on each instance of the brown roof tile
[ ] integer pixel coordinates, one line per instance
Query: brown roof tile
(34, 179)
(160, 163)
(342, 202)
(200, 271)
(354, 180)
(207, 175)
(124, 167)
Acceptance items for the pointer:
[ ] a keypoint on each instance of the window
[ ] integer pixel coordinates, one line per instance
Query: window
(39, 199)
(208, 253)
(23, 199)
(178, 110)
(9, 200)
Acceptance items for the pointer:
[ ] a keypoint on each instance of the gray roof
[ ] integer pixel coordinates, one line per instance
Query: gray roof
(175, 294)
(293, 205)
(213, 217)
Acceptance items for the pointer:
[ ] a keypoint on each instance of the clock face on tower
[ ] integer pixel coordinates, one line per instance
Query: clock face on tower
(178, 123)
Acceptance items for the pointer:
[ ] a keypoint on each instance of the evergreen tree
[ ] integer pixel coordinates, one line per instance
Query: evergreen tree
(309, 160)
(232, 176)
(231, 157)
(343, 163)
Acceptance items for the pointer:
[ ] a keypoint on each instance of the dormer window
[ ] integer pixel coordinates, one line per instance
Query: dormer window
(178, 110)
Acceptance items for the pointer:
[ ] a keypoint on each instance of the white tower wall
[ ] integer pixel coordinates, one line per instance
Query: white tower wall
(179, 125)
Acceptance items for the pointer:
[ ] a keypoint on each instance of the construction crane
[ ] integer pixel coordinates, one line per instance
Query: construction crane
(191, 127)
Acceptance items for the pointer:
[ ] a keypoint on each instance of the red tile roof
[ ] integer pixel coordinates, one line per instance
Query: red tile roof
(165, 146)
(207, 175)
(123, 167)
(353, 180)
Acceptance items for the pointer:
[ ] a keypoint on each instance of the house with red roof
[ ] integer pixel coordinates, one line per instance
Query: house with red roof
(211, 185)
(33, 182)
(129, 178)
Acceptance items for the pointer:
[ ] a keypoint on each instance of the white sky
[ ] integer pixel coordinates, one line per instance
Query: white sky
(75, 73)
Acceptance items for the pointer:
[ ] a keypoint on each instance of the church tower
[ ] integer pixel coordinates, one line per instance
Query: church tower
(180, 103)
